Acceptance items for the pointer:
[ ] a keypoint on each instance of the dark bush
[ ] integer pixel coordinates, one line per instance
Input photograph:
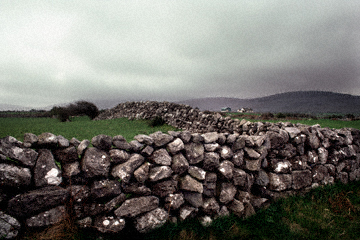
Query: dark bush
(280, 115)
(79, 108)
(63, 114)
(267, 116)
(157, 121)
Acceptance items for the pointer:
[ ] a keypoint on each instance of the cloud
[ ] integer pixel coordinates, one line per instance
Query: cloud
(170, 50)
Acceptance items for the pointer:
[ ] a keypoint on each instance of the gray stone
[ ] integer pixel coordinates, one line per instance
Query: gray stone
(136, 206)
(243, 196)
(187, 212)
(118, 156)
(185, 136)
(70, 169)
(141, 138)
(30, 139)
(115, 202)
(197, 138)
(194, 152)
(211, 147)
(151, 220)
(121, 143)
(82, 146)
(79, 193)
(280, 182)
(319, 172)
(292, 131)
(239, 143)
(161, 157)
(248, 210)
(73, 141)
(125, 170)
(105, 188)
(197, 173)
(262, 179)
(251, 153)
(46, 172)
(9, 226)
(161, 139)
(301, 179)
(211, 206)
(95, 163)
(179, 164)
(194, 198)
(211, 161)
(253, 165)
(226, 152)
(210, 137)
(187, 183)
(313, 158)
(147, 151)
(205, 221)
(282, 167)
(102, 142)
(164, 188)
(159, 173)
(85, 223)
(226, 169)
(66, 155)
(47, 218)
(276, 139)
(136, 188)
(174, 201)
(136, 146)
(238, 158)
(47, 140)
(237, 208)
(209, 186)
(25, 155)
(176, 146)
(63, 142)
(14, 176)
(37, 201)
(109, 224)
(142, 173)
(313, 141)
(227, 193)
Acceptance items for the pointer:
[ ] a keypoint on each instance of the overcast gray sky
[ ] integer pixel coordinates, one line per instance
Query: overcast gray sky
(53, 52)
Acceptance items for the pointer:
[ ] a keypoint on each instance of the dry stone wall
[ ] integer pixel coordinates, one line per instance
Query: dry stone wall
(166, 176)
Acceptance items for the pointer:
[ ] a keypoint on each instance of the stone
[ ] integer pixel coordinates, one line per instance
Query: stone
(176, 146)
(161, 157)
(161, 139)
(227, 193)
(105, 189)
(194, 152)
(279, 182)
(211, 147)
(301, 179)
(82, 146)
(197, 173)
(121, 143)
(46, 172)
(187, 212)
(142, 138)
(159, 173)
(210, 137)
(236, 207)
(142, 173)
(125, 170)
(14, 176)
(47, 218)
(253, 165)
(194, 198)
(211, 206)
(136, 146)
(251, 153)
(226, 152)
(109, 224)
(30, 139)
(24, 155)
(226, 169)
(185, 136)
(211, 161)
(151, 220)
(262, 179)
(47, 140)
(313, 141)
(63, 142)
(118, 156)
(164, 188)
(248, 210)
(66, 155)
(85, 223)
(319, 172)
(102, 142)
(95, 163)
(70, 169)
(136, 206)
(79, 193)
(115, 202)
(292, 131)
(282, 167)
(147, 151)
(179, 164)
(9, 226)
(205, 221)
(209, 186)
(239, 143)
(74, 142)
(37, 201)
(276, 139)
(238, 158)
(187, 183)
(174, 201)
(136, 188)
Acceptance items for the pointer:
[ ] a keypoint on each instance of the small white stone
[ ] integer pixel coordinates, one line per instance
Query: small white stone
(106, 222)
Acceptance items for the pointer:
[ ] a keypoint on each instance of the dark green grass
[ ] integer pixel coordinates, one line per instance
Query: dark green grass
(80, 127)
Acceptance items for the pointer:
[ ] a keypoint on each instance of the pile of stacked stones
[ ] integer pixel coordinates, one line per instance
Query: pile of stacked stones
(166, 176)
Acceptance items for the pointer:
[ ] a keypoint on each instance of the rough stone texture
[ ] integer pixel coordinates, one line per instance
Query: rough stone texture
(174, 201)
(66, 155)
(9, 226)
(179, 164)
(14, 176)
(301, 179)
(197, 173)
(211, 161)
(102, 142)
(109, 224)
(47, 218)
(95, 163)
(37, 201)
(227, 193)
(189, 184)
(136, 206)
(161, 139)
(159, 173)
(142, 173)
(151, 220)
(105, 188)
(46, 172)
(118, 156)
(47, 140)
(125, 170)
(226, 168)
(176, 146)
(161, 157)
(164, 188)
(82, 146)
(279, 182)
(211, 206)
(194, 199)
(194, 152)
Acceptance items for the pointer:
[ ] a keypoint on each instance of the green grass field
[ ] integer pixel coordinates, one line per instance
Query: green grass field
(331, 212)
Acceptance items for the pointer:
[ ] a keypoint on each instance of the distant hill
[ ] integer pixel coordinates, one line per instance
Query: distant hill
(290, 102)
